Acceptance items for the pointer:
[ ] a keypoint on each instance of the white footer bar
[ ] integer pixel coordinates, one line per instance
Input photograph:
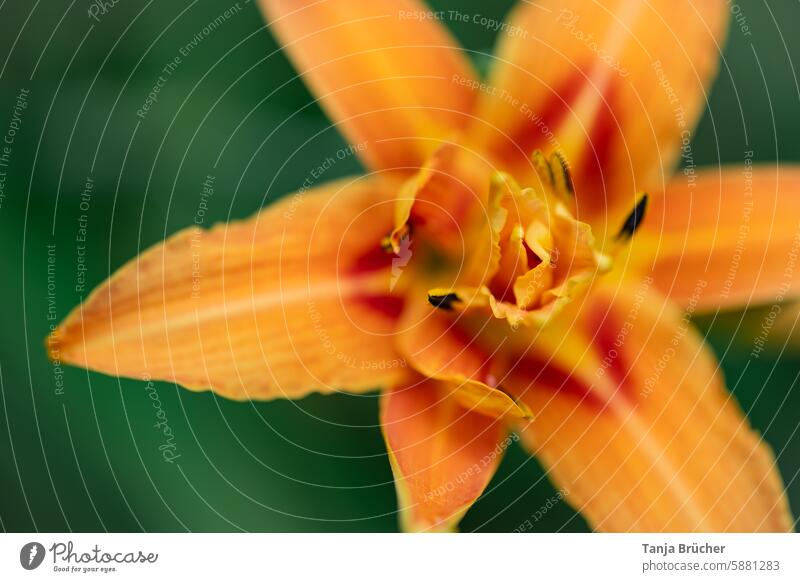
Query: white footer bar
(356, 557)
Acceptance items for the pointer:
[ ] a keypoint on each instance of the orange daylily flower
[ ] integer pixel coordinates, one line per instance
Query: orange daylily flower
(500, 272)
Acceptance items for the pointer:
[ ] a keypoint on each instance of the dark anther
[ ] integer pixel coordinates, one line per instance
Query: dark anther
(634, 219)
(567, 174)
(443, 301)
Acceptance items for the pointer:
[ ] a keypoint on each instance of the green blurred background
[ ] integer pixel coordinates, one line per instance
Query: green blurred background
(87, 459)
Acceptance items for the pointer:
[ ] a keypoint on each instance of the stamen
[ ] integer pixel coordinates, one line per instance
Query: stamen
(562, 173)
(543, 168)
(444, 301)
(634, 220)
(392, 243)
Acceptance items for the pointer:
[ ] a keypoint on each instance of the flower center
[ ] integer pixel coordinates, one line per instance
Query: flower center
(525, 255)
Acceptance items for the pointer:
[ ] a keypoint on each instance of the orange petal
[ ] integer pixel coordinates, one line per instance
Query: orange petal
(292, 300)
(449, 347)
(443, 455)
(448, 221)
(725, 238)
(382, 72)
(444, 202)
(615, 86)
(639, 432)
